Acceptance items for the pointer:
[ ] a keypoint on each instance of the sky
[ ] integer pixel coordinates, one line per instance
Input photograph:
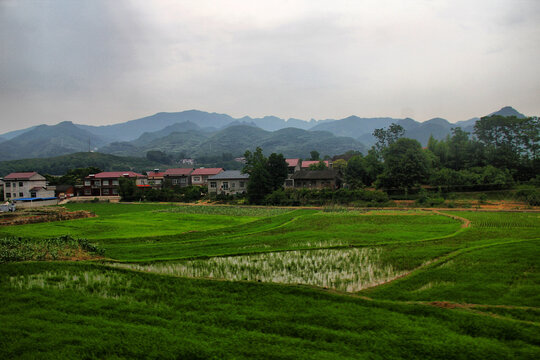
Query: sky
(101, 62)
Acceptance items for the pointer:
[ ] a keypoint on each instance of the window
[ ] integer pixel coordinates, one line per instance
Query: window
(8, 184)
(14, 194)
(87, 192)
(97, 183)
(21, 194)
(105, 182)
(225, 185)
(175, 181)
(241, 184)
(213, 184)
(14, 184)
(233, 184)
(105, 191)
(115, 191)
(87, 183)
(196, 179)
(183, 180)
(33, 194)
(115, 182)
(20, 183)
(8, 195)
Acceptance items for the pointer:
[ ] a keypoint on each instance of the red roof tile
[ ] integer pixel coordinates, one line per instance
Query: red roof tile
(206, 171)
(307, 163)
(292, 162)
(20, 175)
(115, 174)
(155, 174)
(178, 172)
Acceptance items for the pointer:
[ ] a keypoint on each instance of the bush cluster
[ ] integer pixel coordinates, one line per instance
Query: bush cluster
(298, 197)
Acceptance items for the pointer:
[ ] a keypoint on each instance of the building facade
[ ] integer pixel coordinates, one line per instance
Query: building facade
(26, 185)
(200, 176)
(107, 183)
(317, 179)
(230, 182)
(178, 177)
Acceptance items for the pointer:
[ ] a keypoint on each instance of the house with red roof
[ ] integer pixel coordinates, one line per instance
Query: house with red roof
(155, 178)
(107, 183)
(179, 176)
(26, 185)
(293, 165)
(200, 176)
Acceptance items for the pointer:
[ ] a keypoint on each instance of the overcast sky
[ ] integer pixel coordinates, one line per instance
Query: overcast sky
(102, 62)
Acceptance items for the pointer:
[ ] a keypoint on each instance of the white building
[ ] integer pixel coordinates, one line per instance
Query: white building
(26, 185)
(228, 182)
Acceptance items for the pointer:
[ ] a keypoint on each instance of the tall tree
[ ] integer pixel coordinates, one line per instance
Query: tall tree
(386, 137)
(405, 165)
(277, 169)
(315, 155)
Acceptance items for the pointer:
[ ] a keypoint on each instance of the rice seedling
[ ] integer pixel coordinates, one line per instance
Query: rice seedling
(347, 270)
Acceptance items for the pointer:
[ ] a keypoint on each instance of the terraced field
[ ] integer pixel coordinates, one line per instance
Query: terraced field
(229, 282)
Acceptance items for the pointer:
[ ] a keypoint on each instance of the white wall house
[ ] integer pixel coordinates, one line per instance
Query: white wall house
(228, 182)
(26, 185)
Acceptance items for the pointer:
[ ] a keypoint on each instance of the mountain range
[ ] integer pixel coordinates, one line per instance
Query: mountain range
(198, 133)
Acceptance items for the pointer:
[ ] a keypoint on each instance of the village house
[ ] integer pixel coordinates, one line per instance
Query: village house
(155, 178)
(293, 165)
(178, 177)
(26, 185)
(317, 179)
(200, 176)
(107, 183)
(228, 182)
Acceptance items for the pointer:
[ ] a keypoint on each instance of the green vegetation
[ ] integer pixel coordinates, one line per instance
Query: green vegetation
(209, 282)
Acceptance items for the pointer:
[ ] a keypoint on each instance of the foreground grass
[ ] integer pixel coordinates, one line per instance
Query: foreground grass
(78, 310)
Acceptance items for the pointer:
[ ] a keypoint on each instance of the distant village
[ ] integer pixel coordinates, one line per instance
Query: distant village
(27, 189)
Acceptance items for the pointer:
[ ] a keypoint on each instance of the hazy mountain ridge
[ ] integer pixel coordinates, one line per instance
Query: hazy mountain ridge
(197, 132)
(46, 141)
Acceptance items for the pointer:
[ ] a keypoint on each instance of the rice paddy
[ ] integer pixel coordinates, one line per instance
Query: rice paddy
(349, 270)
(225, 282)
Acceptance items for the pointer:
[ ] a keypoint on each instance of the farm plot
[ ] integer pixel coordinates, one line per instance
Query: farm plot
(347, 270)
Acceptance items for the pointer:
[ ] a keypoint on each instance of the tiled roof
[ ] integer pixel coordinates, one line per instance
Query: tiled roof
(315, 174)
(20, 175)
(155, 174)
(178, 172)
(292, 162)
(206, 171)
(229, 174)
(308, 163)
(115, 174)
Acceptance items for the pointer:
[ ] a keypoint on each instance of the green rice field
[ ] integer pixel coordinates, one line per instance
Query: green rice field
(220, 282)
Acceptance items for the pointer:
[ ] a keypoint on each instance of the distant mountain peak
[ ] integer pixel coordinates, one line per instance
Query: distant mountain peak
(508, 111)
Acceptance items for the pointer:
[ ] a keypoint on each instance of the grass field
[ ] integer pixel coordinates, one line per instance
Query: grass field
(227, 282)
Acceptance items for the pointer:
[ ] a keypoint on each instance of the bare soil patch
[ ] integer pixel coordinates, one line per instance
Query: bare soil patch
(40, 215)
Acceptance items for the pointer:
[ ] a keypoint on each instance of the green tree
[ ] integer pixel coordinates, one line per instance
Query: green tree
(386, 137)
(315, 155)
(277, 169)
(356, 174)
(259, 184)
(321, 165)
(405, 165)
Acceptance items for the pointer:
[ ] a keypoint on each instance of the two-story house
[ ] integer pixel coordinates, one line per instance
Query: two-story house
(107, 183)
(200, 176)
(293, 165)
(26, 185)
(228, 182)
(179, 176)
(155, 178)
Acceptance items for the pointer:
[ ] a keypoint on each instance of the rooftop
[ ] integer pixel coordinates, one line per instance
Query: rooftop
(178, 172)
(229, 175)
(115, 174)
(207, 171)
(308, 163)
(20, 175)
(292, 162)
(315, 174)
